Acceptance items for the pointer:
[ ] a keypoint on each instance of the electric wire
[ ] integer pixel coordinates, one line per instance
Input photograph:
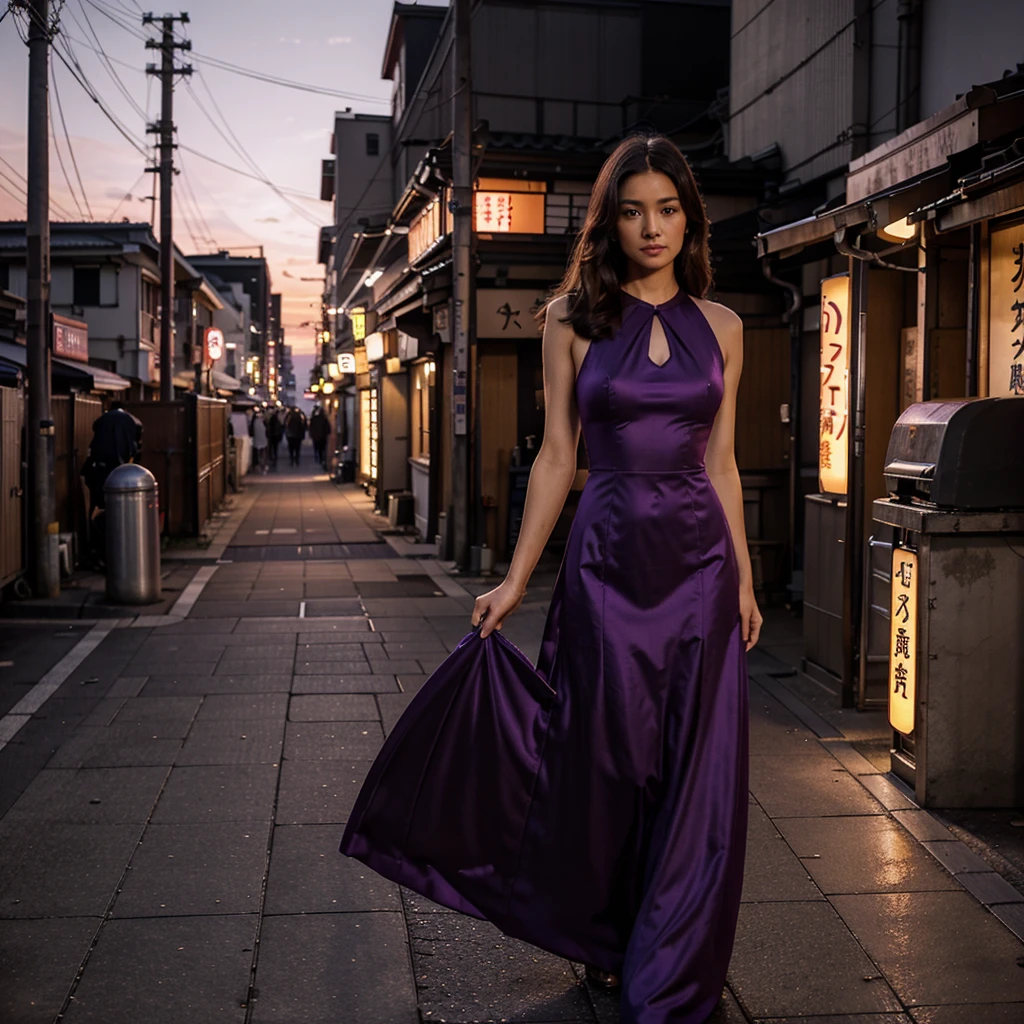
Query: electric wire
(67, 139)
(20, 182)
(60, 161)
(128, 195)
(233, 142)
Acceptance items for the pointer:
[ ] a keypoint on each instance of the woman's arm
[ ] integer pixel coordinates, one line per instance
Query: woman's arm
(720, 461)
(551, 475)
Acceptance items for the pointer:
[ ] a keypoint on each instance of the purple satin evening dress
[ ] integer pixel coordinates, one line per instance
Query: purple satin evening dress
(596, 805)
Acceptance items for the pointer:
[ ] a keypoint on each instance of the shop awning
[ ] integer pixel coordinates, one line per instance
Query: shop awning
(79, 375)
(985, 193)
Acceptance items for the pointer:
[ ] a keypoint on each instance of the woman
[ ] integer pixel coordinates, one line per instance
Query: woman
(628, 831)
(258, 429)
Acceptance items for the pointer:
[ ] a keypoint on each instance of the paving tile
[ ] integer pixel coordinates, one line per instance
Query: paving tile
(221, 793)
(245, 610)
(193, 969)
(937, 947)
(886, 793)
(398, 627)
(955, 856)
(466, 970)
(87, 795)
(326, 968)
(192, 627)
(922, 826)
(990, 887)
(127, 686)
(318, 792)
(428, 663)
(976, 1013)
(226, 706)
(233, 741)
(811, 786)
(414, 648)
(332, 667)
(340, 637)
(395, 666)
(333, 625)
(1012, 916)
(204, 869)
(799, 959)
(353, 683)
(309, 876)
(329, 588)
(863, 853)
(240, 666)
(171, 686)
(40, 960)
(123, 746)
(68, 871)
(333, 708)
(179, 650)
(153, 664)
(850, 758)
(411, 682)
(320, 607)
(103, 713)
(772, 871)
(334, 741)
(145, 709)
(332, 651)
(392, 705)
(842, 1018)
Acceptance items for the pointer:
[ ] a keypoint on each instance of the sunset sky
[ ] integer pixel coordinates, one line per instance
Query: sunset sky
(282, 133)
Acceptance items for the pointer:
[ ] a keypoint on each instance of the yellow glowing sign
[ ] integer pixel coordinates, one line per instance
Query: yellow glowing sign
(358, 319)
(834, 403)
(903, 641)
(1006, 312)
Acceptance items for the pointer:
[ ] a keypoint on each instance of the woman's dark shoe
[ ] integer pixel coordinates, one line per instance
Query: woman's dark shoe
(603, 979)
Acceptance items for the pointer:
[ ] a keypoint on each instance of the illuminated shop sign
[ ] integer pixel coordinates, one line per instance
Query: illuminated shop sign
(1006, 312)
(903, 641)
(834, 403)
(70, 339)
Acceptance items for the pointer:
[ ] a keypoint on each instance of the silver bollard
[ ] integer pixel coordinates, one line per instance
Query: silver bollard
(133, 535)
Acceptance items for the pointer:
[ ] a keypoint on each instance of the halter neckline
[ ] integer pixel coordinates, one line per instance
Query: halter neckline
(652, 305)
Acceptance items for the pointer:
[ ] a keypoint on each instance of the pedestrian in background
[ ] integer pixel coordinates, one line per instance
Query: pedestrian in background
(295, 431)
(596, 805)
(259, 442)
(275, 431)
(319, 431)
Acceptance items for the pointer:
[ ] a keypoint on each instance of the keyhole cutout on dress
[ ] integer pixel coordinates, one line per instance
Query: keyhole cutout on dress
(657, 346)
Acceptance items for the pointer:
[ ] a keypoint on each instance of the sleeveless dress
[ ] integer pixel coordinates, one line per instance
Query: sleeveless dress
(596, 805)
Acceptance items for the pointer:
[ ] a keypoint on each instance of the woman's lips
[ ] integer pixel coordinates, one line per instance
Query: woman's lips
(653, 250)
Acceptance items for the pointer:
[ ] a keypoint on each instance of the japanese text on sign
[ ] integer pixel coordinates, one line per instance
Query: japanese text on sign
(903, 641)
(834, 403)
(1006, 312)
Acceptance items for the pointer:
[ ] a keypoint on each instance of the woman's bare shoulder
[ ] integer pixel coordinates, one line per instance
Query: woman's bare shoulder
(723, 320)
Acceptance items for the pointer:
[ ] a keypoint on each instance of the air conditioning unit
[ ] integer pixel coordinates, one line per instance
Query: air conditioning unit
(400, 508)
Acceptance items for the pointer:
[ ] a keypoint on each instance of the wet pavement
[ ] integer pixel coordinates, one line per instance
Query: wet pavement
(169, 852)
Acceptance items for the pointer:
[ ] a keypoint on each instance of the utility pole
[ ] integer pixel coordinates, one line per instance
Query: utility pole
(461, 206)
(165, 129)
(44, 571)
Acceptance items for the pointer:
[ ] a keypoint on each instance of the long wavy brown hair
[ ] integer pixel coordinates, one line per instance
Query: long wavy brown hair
(597, 267)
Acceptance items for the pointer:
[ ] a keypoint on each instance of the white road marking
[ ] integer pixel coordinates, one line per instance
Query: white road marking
(52, 681)
(191, 593)
(302, 609)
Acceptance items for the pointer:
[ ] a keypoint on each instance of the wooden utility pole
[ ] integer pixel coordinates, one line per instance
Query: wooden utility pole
(45, 574)
(165, 129)
(462, 280)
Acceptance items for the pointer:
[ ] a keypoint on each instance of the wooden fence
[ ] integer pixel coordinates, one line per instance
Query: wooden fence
(73, 417)
(183, 445)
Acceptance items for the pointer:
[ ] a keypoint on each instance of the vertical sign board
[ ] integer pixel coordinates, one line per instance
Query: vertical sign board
(1006, 312)
(460, 351)
(834, 402)
(903, 641)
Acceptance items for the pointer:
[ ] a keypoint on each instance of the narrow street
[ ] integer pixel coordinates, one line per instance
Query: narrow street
(173, 855)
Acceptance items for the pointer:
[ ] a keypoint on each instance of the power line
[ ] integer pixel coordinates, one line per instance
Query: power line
(127, 195)
(234, 143)
(71, 151)
(23, 186)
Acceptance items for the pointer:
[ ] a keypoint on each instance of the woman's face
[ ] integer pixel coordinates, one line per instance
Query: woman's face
(650, 223)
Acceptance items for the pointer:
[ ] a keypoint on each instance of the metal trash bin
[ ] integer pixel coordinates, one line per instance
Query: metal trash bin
(955, 473)
(133, 535)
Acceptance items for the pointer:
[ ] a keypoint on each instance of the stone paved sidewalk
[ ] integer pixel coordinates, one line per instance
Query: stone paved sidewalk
(173, 857)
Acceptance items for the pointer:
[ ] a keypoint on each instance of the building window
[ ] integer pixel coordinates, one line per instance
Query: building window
(5, 277)
(372, 144)
(87, 286)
